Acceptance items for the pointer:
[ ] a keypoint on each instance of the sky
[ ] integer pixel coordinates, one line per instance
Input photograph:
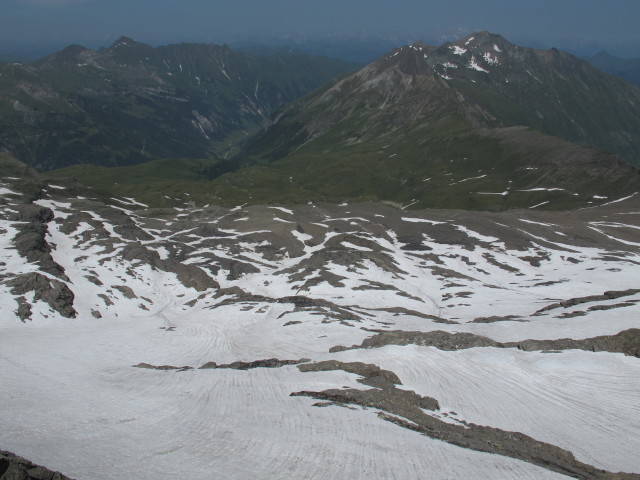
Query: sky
(567, 24)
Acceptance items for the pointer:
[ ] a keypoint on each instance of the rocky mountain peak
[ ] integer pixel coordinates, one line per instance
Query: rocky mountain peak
(123, 41)
(478, 52)
(480, 108)
(67, 57)
(484, 38)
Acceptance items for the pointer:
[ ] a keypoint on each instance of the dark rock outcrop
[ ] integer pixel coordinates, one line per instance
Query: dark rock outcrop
(30, 212)
(267, 363)
(626, 342)
(31, 242)
(148, 366)
(54, 292)
(439, 339)
(13, 467)
(610, 295)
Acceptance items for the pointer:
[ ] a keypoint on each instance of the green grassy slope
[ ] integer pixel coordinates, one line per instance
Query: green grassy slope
(131, 103)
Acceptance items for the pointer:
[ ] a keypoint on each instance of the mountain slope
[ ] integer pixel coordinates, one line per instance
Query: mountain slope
(626, 68)
(422, 119)
(131, 102)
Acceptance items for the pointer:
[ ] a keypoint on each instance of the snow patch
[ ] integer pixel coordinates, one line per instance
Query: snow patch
(539, 204)
(422, 220)
(541, 189)
(490, 59)
(282, 209)
(473, 65)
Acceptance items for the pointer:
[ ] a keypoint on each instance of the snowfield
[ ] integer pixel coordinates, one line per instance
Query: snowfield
(429, 344)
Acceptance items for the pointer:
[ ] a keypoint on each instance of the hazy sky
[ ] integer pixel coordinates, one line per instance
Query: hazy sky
(562, 23)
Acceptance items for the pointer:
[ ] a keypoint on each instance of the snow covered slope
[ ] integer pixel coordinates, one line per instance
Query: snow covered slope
(323, 341)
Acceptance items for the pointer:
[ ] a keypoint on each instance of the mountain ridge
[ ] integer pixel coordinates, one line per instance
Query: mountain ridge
(422, 113)
(130, 102)
(626, 68)
(466, 75)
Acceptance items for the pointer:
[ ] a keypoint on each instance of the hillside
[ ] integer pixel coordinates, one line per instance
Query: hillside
(479, 123)
(626, 68)
(130, 102)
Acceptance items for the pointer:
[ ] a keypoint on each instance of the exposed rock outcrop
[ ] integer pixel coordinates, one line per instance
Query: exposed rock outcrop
(31, 242)
(626, 342)
(54, 292)
(13, 467)
(267, 363)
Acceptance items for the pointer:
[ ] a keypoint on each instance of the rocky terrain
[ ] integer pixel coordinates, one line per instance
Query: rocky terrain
(317, 340)
(13, 467)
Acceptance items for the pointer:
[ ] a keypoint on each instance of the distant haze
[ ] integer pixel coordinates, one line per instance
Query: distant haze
(583, 26)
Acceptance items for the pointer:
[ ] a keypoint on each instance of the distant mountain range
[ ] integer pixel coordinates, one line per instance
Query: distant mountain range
(130, 102)
(626, 68)
(478, 123)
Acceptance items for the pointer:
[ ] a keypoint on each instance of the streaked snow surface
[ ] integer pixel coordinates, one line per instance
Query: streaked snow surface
(72, 400)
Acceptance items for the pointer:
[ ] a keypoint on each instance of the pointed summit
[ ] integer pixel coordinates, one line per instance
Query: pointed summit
(70, 56)
(485, 38)
(122, 42)
(421, 122)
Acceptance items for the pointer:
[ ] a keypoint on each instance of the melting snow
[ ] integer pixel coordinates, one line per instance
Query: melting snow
(6, 191)
(541, 189)
(539, 204)
(506, 192)
(224, 72)
(535, 78)
(356, 247)
(458, 50)
(621, 199)
(473, 65)
(421, 220)
(538, 223)
(491, 60)
(467, 179)
(282, 209)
